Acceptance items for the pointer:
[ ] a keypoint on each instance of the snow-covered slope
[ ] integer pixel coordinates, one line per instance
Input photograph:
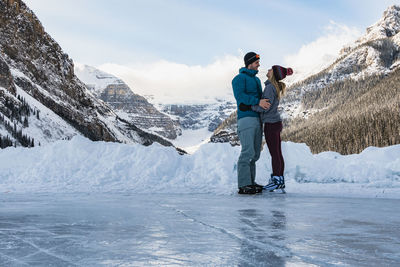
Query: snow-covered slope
(126, 104)
(36, 75)
(387, 26)
(69, 166)
(95, 79)
(377, 52)
(47, 126)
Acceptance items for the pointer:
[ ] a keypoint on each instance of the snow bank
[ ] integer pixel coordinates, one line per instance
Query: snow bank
(81, 165)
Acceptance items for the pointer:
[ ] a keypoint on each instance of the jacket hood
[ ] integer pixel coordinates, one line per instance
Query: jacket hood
(248, 71)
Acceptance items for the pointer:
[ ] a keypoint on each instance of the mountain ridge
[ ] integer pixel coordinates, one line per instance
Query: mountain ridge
(127, 104)
(32, 62)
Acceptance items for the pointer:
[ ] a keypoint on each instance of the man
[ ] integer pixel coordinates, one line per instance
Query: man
(247, 90)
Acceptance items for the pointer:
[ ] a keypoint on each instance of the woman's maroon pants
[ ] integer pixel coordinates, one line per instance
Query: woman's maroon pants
(272, 132)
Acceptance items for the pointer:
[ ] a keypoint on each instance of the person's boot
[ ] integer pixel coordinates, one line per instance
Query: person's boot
(273, 183)
(282, 182)
(259, 188)
(248, 189)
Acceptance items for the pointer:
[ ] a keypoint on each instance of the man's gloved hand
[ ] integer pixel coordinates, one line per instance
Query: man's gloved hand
(244, 107)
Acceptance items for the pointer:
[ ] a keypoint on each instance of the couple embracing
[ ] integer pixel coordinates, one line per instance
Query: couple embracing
(258, 109)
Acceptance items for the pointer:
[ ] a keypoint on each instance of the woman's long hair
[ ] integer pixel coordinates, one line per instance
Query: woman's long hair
(279, 86)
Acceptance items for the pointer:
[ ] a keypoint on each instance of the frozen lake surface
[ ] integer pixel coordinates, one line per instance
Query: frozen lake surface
(197, 230)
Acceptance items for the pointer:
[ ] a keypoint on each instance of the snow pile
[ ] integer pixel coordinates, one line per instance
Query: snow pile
(81, 165)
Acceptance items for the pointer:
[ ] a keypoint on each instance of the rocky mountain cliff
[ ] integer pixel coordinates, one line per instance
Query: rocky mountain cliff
(126, 104)
(377, 52)
(41, 99)
(360, 69)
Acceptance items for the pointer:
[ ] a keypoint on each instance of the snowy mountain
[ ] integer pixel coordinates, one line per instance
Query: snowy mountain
(197, 116)
(377, 52)
(41, 98)
(187, 124)
(388, 26)
(126, 104)
(197, 120)
(327, 100)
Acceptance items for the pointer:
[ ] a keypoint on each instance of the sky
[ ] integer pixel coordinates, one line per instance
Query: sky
(192, 49)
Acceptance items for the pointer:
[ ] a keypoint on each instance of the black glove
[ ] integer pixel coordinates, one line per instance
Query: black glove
(244, 107)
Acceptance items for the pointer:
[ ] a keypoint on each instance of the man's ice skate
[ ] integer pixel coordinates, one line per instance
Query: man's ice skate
(247, 190)
(259, 188)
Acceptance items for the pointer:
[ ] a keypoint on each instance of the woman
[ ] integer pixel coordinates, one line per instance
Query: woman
(274, 90)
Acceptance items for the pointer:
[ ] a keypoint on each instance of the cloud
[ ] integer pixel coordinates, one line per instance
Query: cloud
(171, 82)
(319, 54)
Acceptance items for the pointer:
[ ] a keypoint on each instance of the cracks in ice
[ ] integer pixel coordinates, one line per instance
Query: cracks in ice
(12, 259)
(279, 251)
(33, 245)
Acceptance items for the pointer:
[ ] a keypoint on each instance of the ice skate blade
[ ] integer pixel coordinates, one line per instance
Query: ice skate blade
(276, 191)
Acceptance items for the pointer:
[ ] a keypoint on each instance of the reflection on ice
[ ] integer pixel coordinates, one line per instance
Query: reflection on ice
(197, 230)
(269, 249)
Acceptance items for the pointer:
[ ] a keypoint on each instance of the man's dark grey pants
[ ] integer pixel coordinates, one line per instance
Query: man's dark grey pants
(249, 130)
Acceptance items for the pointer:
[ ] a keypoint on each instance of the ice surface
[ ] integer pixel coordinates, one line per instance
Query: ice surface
(197, 230)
